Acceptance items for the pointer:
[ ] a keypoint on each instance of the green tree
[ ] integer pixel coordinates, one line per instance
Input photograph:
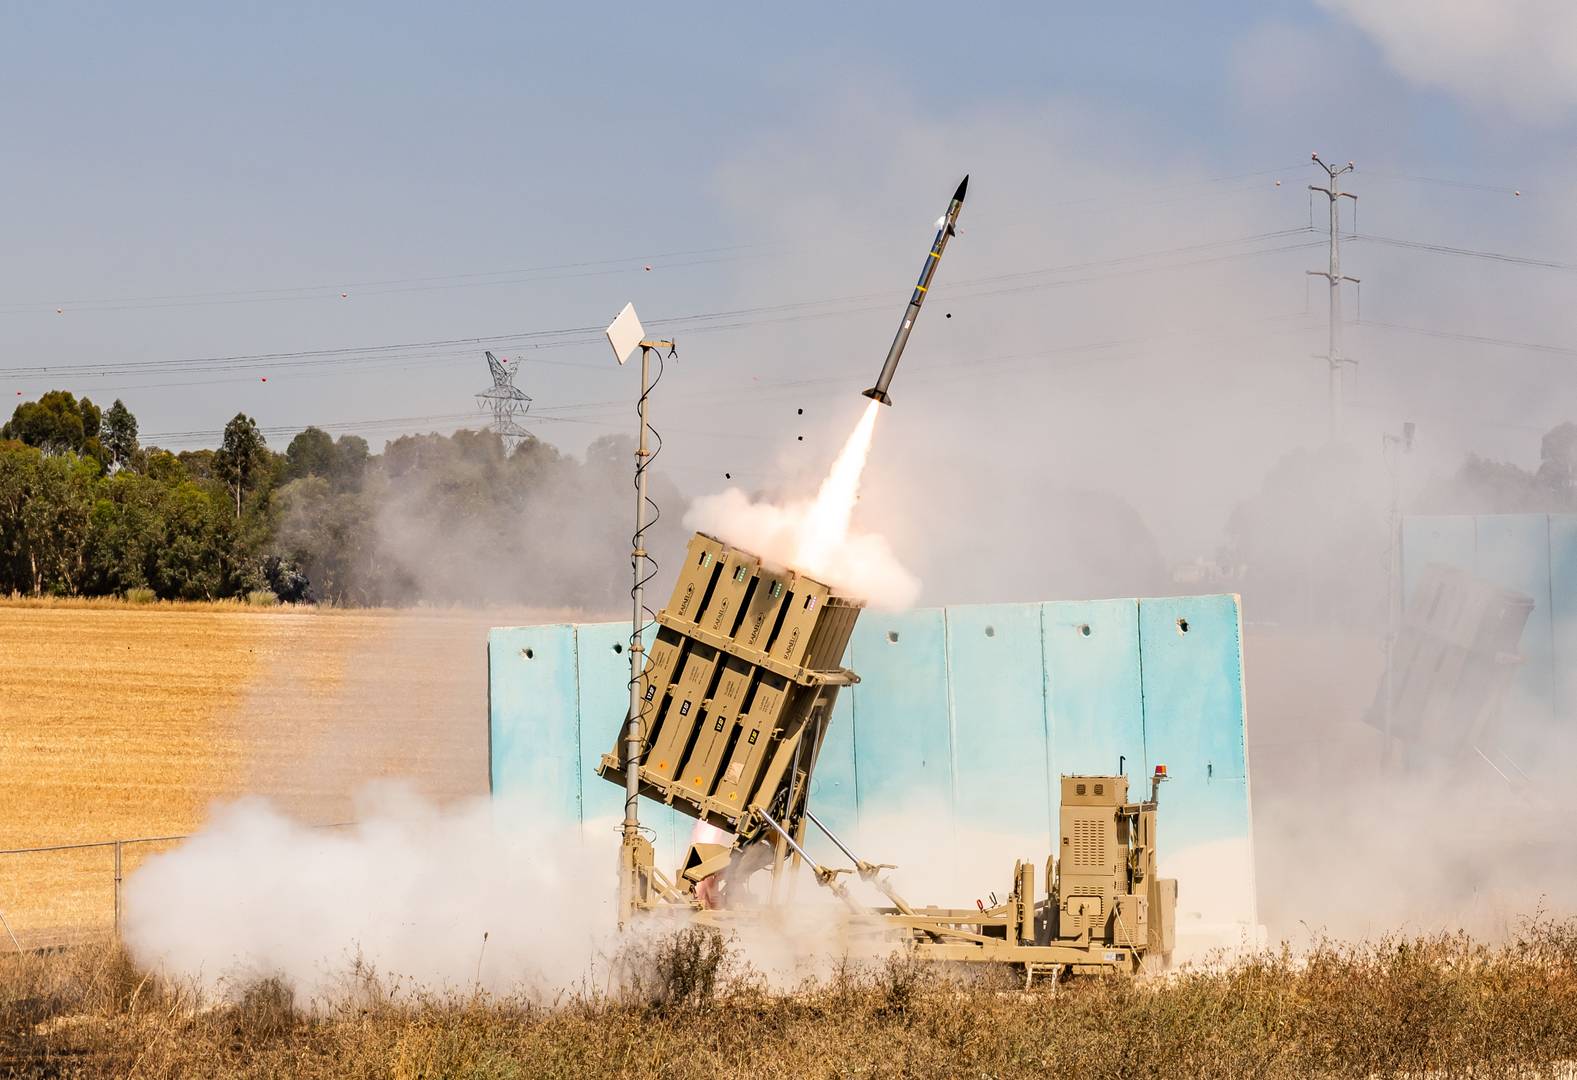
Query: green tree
(57, 423)
(45, 502)
(120, 434)
(18, 468)
(165, 467)
(1310, 545)
(332, 537)
(125, 532)
(242, 457)
(351, 455)
(1485, 486)
(1558, 462)
(310, 453)
(198, 464)
(194, 560)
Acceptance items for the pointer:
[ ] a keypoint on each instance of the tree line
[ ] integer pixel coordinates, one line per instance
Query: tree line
(1314, 544)
(87, 510)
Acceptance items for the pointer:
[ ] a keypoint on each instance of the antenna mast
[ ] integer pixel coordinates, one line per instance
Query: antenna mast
(626, 335)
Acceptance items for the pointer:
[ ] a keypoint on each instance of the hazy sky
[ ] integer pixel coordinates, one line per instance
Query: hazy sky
(185, 183)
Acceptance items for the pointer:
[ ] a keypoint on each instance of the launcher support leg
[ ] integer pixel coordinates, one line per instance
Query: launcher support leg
(824, 876)
(870, 872)
(637, 862)
(779, 850)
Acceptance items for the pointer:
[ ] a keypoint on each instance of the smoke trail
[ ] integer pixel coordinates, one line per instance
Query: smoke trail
(826, 526)
(816, 536)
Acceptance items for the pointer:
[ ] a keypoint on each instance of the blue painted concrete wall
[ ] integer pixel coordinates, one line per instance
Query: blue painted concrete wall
(1534, 554)
(966, 714)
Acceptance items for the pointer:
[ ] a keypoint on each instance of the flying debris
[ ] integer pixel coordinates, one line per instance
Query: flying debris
(344, 295)
(60, 311)
(946, 227)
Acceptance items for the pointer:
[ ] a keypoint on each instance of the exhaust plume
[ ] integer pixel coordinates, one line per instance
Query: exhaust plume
(816, 536)
(826, 526)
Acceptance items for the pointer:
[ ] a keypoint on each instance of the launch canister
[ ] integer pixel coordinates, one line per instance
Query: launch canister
(945, 229)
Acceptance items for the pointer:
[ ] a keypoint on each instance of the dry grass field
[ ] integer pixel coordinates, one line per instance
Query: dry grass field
(121, 721)
(1431, 1007)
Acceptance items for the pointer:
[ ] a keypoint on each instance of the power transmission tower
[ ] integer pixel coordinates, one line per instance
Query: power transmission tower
(1335, 277)
(506, 401)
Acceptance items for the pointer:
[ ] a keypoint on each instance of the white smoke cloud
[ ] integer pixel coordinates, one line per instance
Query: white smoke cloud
(863, 565)
(485, 895)
(410, 891)
(1518, 55)
(816, 535)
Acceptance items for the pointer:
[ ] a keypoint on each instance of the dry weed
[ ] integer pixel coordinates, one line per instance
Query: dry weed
(1442, 1006)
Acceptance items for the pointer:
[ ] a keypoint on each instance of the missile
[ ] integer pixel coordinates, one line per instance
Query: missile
(946, 227)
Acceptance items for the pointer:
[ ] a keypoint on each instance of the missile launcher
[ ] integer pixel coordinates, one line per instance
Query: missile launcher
(738, 692)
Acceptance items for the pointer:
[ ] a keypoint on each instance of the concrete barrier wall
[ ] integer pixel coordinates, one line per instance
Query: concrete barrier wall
(1534, 554)
(945, 757)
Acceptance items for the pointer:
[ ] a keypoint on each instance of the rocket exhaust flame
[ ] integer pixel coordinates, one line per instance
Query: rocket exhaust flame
(816, 535)
(826, 525)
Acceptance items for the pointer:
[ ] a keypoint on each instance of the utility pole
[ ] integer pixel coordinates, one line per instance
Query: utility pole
(1392, 448)
(1333, 275)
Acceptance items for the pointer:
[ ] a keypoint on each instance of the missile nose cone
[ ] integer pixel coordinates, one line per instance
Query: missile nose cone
(963, 185)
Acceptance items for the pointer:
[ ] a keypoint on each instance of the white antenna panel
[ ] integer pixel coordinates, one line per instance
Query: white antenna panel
(625, 333)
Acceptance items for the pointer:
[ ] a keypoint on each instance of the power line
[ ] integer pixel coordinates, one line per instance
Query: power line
(769, 390)
(384, 286)
(408, 424)
(331, 290)
(1474, 253)
(1209, 181)
(1496, 189)
(1472, 339)
(1123, 260)
(694, 323)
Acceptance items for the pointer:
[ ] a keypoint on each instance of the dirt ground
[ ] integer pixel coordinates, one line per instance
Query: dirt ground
(121, 721)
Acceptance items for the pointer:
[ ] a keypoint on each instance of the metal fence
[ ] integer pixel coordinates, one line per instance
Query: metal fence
(65, 894)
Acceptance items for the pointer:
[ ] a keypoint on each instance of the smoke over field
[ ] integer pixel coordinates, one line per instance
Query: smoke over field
(817, 535)
(479, 894)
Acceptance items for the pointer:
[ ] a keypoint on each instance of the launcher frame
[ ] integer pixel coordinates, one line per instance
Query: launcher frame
(738, 691)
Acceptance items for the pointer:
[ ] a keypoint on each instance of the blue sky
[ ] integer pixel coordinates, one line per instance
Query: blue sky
(763, 157)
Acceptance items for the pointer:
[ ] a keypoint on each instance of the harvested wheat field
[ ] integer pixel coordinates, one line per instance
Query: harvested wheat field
(123, 721)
